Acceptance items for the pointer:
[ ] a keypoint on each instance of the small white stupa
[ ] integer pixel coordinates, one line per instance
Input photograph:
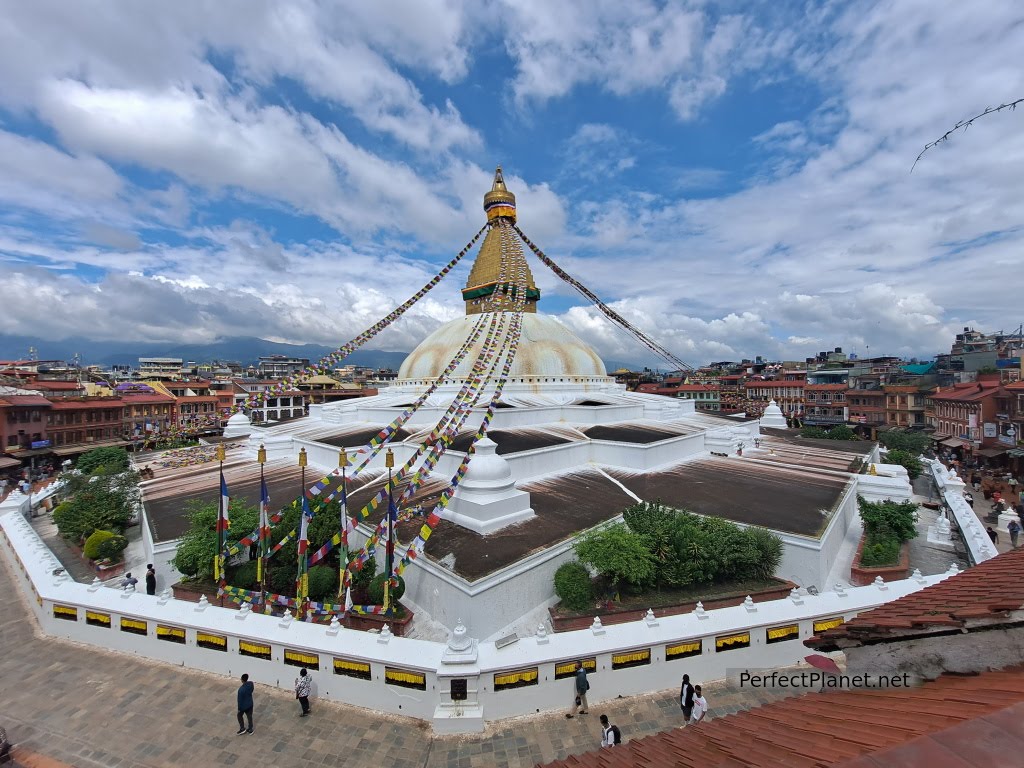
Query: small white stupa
(238, 426)
(488, 499)
(772, 417)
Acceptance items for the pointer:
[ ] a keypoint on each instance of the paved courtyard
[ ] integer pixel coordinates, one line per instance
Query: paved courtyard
(69, 704)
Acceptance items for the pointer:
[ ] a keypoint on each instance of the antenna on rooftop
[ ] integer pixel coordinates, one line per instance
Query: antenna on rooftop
(33, 354)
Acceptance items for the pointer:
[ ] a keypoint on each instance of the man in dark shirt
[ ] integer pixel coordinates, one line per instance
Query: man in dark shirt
(245, 705)
(150, 580)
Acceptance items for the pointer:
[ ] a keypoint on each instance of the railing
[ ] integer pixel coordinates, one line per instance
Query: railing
(976, 541)
(415, 677)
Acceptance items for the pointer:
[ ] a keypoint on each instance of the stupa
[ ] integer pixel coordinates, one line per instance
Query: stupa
(566, 450)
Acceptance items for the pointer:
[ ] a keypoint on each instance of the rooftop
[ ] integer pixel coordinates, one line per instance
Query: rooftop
(954, 721)
(984, 594)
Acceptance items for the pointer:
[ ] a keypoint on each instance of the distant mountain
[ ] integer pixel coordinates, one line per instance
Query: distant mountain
(245, 349)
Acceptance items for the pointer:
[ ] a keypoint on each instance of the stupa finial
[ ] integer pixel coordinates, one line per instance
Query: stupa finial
(499, 202)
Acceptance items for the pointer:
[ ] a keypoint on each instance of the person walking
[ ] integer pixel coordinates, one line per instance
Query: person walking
(700, 706)
(1014, 530)
(686, 699)
(611, 736)
(245, 705)
(579, 692)
(302, 685)
(992, 534)
(150, 580)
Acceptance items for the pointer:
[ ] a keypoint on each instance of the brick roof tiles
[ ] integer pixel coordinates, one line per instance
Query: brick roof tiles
(986, 591)
(853, 729)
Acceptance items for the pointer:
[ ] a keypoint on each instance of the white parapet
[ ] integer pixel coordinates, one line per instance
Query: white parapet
(456, 686)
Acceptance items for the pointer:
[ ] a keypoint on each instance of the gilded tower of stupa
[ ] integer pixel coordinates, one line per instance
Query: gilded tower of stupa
(486, 274)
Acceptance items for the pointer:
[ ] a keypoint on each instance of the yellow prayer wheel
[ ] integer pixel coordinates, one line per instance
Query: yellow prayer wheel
(342, 458)
(220, 452)
(302, 457)
(389, 459)
(261, 454)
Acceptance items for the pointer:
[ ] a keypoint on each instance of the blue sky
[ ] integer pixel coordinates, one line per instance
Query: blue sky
(734, 178)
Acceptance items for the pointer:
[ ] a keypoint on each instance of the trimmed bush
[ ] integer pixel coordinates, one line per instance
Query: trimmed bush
(376, 590)
(113, 548)
(92, 544)
(769, 552)
(619, 554)
(245, 575)
(905, 459)
(323, 582)
(573, 586)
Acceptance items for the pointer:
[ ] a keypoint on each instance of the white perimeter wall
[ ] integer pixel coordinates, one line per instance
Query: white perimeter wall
(32, 565)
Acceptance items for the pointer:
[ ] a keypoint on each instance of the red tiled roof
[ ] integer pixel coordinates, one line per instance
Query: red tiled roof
(978, 390)
(55, 385)
(791, 383)
(27, 400)
(838, 728)
(132, 399)
(986, 591)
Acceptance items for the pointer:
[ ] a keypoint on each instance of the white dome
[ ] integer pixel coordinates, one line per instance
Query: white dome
(547, 348)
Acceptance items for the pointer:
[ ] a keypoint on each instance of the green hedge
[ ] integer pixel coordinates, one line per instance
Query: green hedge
(573, 586)
(91, 549)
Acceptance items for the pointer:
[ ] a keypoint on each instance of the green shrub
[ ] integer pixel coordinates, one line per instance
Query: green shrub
(573, 586)
(879, 553)
(905, 440)
(905, 459)
(815, 433)
(618, 554)
(245, 575)
(112, 548)
(92, 544)
(376, 590)
(768, 547)
(323, 582)
(841, 432)
(883, 519)
(110, 460)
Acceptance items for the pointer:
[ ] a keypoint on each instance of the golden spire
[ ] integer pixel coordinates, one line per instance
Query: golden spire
(499, 202)
(487, 272)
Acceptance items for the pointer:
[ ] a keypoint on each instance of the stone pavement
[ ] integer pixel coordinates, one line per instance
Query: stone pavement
(67, 702)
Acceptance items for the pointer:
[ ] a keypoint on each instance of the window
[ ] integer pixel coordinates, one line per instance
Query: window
(66, 612)
(405, 678)
(732, 642)
(825, 624)
(631, 659)
(357, 669)
(134, 626)
(568, 668)
(517, 679)
(256, 650)
(780, 634)
(301, 659)
(211, 642)
(683, 650)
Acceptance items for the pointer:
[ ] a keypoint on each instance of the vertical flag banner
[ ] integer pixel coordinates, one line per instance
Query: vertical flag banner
(264, 528)
(302, 582)
(225, 521)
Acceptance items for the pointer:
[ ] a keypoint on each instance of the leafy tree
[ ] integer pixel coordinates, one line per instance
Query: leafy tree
(244, 575)
(905, 440)
(656, 523)
(113, 548)
(109, 460)
(105, 502)
(619, 554)
(895, 518)
(194, 558)
(815, 433)
(841, 432)
(907, 460)
(573, 586)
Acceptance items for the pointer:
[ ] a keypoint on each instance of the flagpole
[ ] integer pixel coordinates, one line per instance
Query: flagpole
(218, 559)
(343, 523)
(261, 457)
(300, 595)
(389, 462)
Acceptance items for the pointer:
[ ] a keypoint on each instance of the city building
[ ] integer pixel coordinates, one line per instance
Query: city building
(159, 367)
(788, 394)
(280, 366)
(289, 404)
(324, 389)
(79, 424)
(147, 413)
(965, 417)
(904, 405)
(705, 396)
(23, 432)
